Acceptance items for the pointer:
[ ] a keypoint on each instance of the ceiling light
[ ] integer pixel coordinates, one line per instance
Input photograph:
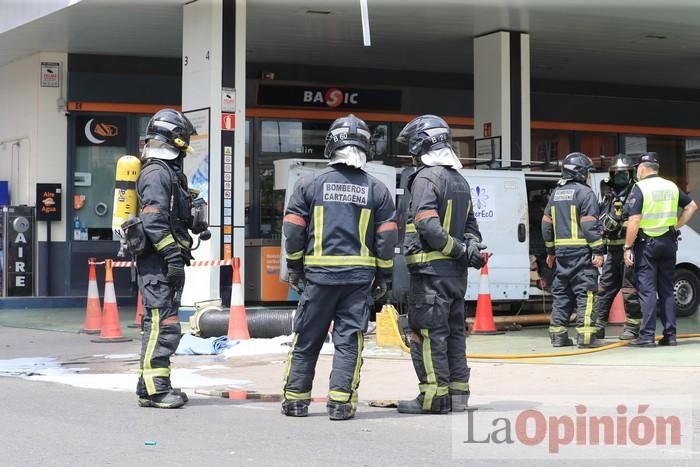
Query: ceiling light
(318, 12)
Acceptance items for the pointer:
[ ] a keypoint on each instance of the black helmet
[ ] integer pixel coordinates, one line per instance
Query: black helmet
(171, 127)
(425, 133)
(576, 167)
(349, 131)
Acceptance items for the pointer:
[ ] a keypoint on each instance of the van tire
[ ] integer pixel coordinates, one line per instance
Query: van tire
(686, 292)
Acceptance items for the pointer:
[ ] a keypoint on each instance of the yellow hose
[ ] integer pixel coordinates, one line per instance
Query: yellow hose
(394, 329)
(480, 356)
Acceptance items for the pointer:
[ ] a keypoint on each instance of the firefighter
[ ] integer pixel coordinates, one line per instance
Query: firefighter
(442, 241)
(165, 217)
(615, 276)
(340, 237)
(572, 236)
(650, 246)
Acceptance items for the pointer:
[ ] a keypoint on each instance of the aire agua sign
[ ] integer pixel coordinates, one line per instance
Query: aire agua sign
(329, 97)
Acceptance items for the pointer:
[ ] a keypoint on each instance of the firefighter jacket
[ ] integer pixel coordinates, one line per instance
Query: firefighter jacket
(570, 225)
(439, 213)
(340, 227)
(165, 209)
(612, 205)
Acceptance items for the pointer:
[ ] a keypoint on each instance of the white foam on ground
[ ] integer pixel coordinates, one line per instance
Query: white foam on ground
(121, 356)
(276, 345)
(50, 370)
(24, 366)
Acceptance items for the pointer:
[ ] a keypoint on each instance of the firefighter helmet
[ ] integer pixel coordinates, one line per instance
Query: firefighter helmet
(576, 167)
(424, 134)
(349, 131)
(172, 128)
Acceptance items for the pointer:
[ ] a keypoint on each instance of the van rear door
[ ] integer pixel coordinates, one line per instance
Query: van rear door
(500, 206)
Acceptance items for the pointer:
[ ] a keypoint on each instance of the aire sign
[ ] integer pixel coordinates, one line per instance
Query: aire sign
(329, 97)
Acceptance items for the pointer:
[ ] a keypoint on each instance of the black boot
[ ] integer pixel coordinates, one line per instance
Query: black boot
(459, 401)
(163, 400)
(340, 410)
(296, 408)
(629, 334)
(182, 394)
(669, 340)
(640, 342)
(561, 339)
(592, 343)
(600, 333)
(441, 405)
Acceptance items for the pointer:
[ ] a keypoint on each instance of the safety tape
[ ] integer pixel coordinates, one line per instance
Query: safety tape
(200, 263)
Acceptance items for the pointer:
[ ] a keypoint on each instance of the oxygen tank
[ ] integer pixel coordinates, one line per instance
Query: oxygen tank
(125, 200)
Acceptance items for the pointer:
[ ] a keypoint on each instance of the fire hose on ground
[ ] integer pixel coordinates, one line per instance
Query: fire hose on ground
(388, 334)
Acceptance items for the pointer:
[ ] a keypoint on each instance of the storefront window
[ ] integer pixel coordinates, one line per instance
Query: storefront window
(100, 142)
(247, 179)
(549, 146)
(597, 145)
(271, 205)
(671, 153)
(308, 138)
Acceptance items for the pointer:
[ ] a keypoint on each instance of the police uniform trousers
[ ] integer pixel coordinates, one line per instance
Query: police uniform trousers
(347, 307)
(574, 286)
(161, 335)
(655, 263)
(436, 315)
(615, 276)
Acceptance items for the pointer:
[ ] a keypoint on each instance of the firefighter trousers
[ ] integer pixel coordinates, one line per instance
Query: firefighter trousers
(436, 315)
(347, 307)
(574, 286)
(617, 276)
(161, 336)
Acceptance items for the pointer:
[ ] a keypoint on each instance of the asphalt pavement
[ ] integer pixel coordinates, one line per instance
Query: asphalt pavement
(48, 423)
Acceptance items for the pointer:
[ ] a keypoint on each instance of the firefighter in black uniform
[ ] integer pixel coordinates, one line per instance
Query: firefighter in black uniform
(165, 205)
(615, 275)
(340, 237)
(572, 236)
(442, 241)
(651, 244)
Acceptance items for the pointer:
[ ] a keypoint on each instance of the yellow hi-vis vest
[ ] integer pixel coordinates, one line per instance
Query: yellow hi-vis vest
(660, 206)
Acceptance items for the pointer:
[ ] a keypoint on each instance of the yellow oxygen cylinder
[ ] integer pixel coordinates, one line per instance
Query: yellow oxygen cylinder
(125, 200)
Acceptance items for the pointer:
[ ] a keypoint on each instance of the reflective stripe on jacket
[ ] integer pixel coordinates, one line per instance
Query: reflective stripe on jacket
(339, 227)
(573, 227)
(440, 211)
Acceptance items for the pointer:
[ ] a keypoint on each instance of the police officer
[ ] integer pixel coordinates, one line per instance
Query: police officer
(165, 211)
(573, 239)
(616, 275)
(651, 243)
(340, 237)
(442, 241)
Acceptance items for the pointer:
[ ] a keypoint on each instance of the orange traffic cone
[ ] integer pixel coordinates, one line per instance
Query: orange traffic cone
(93, 311)
(111, 326)
(483, 323)
(237, 321)
(138, 320)
(617, 310)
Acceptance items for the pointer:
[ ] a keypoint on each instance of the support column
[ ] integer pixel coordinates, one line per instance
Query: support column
(213, 64)
(502, 97)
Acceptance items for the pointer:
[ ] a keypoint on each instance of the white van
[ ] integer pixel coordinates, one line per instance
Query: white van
(508, 205)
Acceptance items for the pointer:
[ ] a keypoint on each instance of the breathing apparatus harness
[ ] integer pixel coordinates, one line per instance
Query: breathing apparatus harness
(197, 221)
